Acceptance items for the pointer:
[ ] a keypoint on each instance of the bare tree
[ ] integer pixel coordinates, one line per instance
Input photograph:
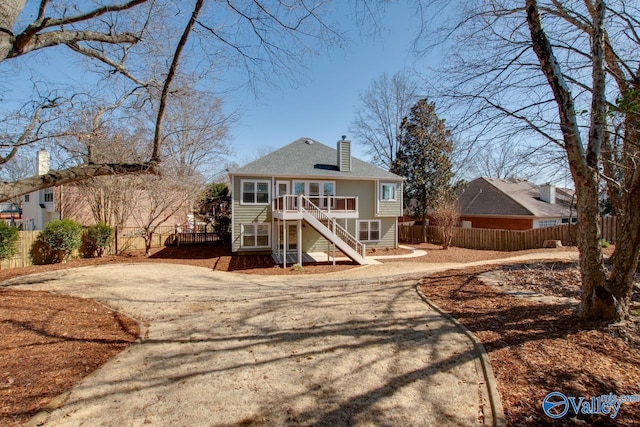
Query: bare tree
(160, 198)
(446, 214)
(571, 84)
(385, 103)
(137, 47)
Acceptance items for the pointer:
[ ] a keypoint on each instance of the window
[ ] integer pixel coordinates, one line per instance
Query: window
(369, 231)
(314, 188)
(48, 196)
(547, 223)
(388, 192)
(26, 198)
(255, 235)
(328, 189)
(255, 192)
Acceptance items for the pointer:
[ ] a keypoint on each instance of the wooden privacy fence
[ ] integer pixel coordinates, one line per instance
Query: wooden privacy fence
(503, 240)
(126, 239)
(22, 258)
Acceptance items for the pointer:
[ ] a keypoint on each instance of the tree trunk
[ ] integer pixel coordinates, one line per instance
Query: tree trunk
(602, 299)
(625, 258)
(147, 244)
(9, 12)
(596, 301)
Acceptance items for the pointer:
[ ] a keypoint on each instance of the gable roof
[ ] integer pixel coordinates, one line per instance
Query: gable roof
(305, 157)
(491, 196)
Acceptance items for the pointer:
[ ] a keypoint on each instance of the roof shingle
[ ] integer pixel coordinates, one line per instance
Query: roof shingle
(305, 157)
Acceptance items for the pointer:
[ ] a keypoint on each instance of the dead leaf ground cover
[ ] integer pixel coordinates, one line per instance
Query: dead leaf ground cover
(538, 348)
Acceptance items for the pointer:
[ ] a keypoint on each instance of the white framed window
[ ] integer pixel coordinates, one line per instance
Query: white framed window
(255, 235)
(255, 192)
(369, 230)
(387, 192)
(547, 223)
(26, 198)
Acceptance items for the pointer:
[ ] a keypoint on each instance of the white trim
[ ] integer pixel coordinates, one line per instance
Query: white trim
(381, 192)
(269, 183)
(233, 221)
(277, 184)
(306, 183)
(369, 221)
(255, 225)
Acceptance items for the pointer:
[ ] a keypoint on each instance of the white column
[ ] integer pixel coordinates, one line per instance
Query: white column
(299, 242)
(284, 244)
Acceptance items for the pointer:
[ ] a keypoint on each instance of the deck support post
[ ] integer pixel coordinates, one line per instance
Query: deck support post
(299, 245)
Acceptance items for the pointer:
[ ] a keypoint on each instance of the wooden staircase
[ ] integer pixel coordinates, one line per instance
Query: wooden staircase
(334, 232)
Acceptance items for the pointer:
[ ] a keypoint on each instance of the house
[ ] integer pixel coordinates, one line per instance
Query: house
(514, 205)
(307, 197)
(39, 207)
(11, 213)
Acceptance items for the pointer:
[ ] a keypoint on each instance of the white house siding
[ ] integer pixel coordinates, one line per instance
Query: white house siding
(244, 214)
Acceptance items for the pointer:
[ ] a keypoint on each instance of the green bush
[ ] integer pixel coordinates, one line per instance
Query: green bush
(604, 243)
(62, 236)
(8, 240)
(98, 237)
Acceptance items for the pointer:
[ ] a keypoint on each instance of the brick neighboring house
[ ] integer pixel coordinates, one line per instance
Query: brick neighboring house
(514, 205)
(307, 197)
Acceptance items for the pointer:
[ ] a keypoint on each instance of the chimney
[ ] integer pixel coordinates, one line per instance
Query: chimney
(548, 193)
(344, 154)
(42, 164)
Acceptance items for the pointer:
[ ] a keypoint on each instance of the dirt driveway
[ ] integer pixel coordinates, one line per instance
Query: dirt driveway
(228, 349)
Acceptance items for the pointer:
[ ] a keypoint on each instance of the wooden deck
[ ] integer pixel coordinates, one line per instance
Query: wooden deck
(191, 239)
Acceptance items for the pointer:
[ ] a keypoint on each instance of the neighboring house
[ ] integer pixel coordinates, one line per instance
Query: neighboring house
(11, 213)
(514, 205)
(40, 207)
(307, 197)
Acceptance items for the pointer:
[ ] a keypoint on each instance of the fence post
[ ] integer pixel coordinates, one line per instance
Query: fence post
(116, 239)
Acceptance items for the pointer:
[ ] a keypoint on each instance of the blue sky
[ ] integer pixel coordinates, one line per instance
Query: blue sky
(323, 106)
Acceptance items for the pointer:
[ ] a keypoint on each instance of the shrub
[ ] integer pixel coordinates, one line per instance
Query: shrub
(297, 267)
(8, 240)
(604, 243)
(98, 237)
(63, 237)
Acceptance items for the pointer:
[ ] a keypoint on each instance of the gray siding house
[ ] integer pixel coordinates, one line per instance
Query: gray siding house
(307, 197)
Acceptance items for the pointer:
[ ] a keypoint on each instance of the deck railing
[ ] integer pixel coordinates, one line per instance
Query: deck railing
(336, 204)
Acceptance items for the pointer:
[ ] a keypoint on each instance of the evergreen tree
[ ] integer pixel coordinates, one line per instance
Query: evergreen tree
(425, 145)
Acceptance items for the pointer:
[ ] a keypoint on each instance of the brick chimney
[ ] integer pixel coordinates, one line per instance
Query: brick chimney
(344, 154)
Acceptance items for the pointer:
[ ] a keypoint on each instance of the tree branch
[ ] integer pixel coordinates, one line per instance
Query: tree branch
(26, 42)
(10, 190)
(167, 83)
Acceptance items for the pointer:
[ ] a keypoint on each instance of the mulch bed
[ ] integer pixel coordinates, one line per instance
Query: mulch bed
(49, 343)
(538, 348)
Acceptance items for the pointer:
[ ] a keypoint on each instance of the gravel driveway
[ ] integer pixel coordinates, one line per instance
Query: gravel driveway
(229, 349)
